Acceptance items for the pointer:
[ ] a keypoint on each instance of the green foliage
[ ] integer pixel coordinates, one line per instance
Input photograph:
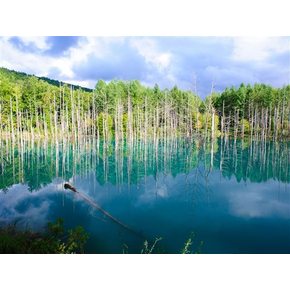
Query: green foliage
(263, 104)
(245, 123)
(76, 240)
(55, 241)
(246, 97)
(105, 122)
(70, 241)
(56, 229)
(48, 105)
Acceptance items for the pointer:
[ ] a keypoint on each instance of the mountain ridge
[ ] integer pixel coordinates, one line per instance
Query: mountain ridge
(54, 82)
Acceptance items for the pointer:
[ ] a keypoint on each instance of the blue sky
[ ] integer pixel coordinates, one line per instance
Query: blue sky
(189, 62)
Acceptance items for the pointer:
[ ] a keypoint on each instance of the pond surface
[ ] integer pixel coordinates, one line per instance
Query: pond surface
(229, 197)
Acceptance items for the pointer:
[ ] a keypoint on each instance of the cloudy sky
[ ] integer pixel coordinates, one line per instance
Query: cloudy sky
(188, 62)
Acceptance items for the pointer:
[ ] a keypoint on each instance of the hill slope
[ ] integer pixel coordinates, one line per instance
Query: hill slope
(21, 76)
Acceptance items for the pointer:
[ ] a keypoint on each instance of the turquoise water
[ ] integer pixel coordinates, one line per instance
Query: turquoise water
(229, 197)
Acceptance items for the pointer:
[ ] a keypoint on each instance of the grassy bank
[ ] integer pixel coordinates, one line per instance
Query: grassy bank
(55, 240)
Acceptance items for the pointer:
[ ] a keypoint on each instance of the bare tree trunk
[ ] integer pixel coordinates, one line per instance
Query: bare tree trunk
(212, 124)
(11, 120)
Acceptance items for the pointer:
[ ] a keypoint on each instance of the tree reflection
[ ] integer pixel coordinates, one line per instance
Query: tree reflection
(38, 163)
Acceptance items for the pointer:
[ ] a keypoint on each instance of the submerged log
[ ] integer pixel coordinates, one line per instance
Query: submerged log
(98, 207)
(69, 186)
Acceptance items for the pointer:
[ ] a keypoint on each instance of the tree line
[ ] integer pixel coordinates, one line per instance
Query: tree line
(32, 107)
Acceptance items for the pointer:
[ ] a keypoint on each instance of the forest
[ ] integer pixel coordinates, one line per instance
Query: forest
(33, 107)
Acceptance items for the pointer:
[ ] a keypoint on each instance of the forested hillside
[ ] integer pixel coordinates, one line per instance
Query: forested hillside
(40, 107)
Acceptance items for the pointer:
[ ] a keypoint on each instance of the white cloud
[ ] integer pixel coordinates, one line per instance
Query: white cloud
(85, 47)
(13, 58)
(159, 60)
(39, 64)
(222, 75)
(257, 200)
(258, 49)
(251, 60)
(85, 84)
(149, 50)
(34, 215)
(39, 42)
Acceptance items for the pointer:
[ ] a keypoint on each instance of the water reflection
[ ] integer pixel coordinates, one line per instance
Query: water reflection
(231, 193)
(38, 164)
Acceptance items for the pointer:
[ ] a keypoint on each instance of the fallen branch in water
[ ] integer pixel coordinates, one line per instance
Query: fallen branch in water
(98, 207)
